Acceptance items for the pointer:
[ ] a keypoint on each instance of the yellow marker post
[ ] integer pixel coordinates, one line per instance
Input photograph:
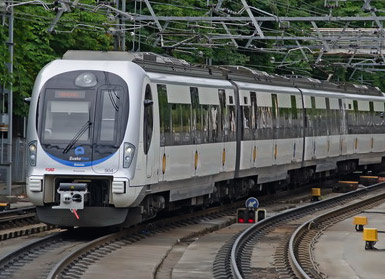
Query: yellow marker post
(370, 236)
(367, 180)
(4, 206)
(360, 222)
(345, 186)
(315, 194)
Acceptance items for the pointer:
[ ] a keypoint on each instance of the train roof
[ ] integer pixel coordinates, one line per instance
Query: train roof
(152, 62)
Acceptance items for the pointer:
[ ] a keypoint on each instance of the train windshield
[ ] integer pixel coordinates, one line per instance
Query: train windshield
(64, 118)
(91, 121)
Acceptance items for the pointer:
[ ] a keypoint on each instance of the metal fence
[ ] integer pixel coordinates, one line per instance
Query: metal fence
(18, 166)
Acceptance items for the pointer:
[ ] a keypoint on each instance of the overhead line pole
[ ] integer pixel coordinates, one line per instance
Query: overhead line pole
(7, 109)
(10, 101)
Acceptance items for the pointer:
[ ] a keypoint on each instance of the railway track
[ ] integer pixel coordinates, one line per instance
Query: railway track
(65, 255)
(76, 263)
(19, 222)
(34, 259)
(302, 242)
(78, 255)
(234, 261)
(9, 218)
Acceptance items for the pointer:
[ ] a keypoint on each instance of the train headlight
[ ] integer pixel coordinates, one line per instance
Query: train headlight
(86, 79)
(32, 150)
(128, 154)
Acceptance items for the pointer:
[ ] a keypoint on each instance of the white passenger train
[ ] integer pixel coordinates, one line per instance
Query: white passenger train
(115, 137)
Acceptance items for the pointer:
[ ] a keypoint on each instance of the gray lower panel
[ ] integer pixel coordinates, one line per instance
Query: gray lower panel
(273, 176)
(185, 193)
(369, 161)
(325, 166)
(88, 217)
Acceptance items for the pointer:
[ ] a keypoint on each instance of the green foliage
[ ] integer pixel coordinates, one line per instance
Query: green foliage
(5, 77)
(82, 29)
(35, 47)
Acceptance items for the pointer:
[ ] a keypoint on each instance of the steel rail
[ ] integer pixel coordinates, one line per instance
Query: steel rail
(66, 261)
(103, 241)
(16, 211)
(11, 218)
(29, 246)
(17, 214)
(245, 235)
(299, 232)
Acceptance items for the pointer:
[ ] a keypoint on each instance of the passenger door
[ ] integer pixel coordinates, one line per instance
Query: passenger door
(148, 127)
(196, 128)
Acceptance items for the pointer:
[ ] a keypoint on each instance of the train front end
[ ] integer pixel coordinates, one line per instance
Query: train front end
(81, 153)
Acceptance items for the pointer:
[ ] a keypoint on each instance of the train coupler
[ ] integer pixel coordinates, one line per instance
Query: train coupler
(72, 197)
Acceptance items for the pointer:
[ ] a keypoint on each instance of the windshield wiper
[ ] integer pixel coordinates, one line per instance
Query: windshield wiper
(82, 130)
(112, 99)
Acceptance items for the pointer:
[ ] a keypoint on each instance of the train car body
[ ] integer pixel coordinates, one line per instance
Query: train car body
(115, 137)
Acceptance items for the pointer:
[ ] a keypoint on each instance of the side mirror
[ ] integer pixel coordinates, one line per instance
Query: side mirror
(148, 102)
(27, 100)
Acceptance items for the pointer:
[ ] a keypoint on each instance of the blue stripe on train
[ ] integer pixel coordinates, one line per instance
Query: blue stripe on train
(79, 164)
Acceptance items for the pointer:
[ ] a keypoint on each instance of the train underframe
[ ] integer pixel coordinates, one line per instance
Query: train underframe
(99, 210)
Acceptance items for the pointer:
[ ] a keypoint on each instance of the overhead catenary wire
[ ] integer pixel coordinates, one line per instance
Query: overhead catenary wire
(210, 34)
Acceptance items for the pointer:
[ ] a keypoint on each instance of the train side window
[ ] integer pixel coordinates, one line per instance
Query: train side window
(329, 117)
(371, 115)
(378, 119)
(265, 122)
(337, 119)
(223, 116)
(322, 118)
(275, 115)
(342, 118)
(274, 100)
(148, 119)
(185, 124)
(213, 123)
(355, 105)
(312, 118)
(164, 115)
(180, 124)
(246, 124)
(205, 123)
(294, 122)
(196, 122)
(254, 114)
(293, 107)
(356, 117)
(176, 123)
(229, 116)
(284, 127)
(231, 101)
(232, 123)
